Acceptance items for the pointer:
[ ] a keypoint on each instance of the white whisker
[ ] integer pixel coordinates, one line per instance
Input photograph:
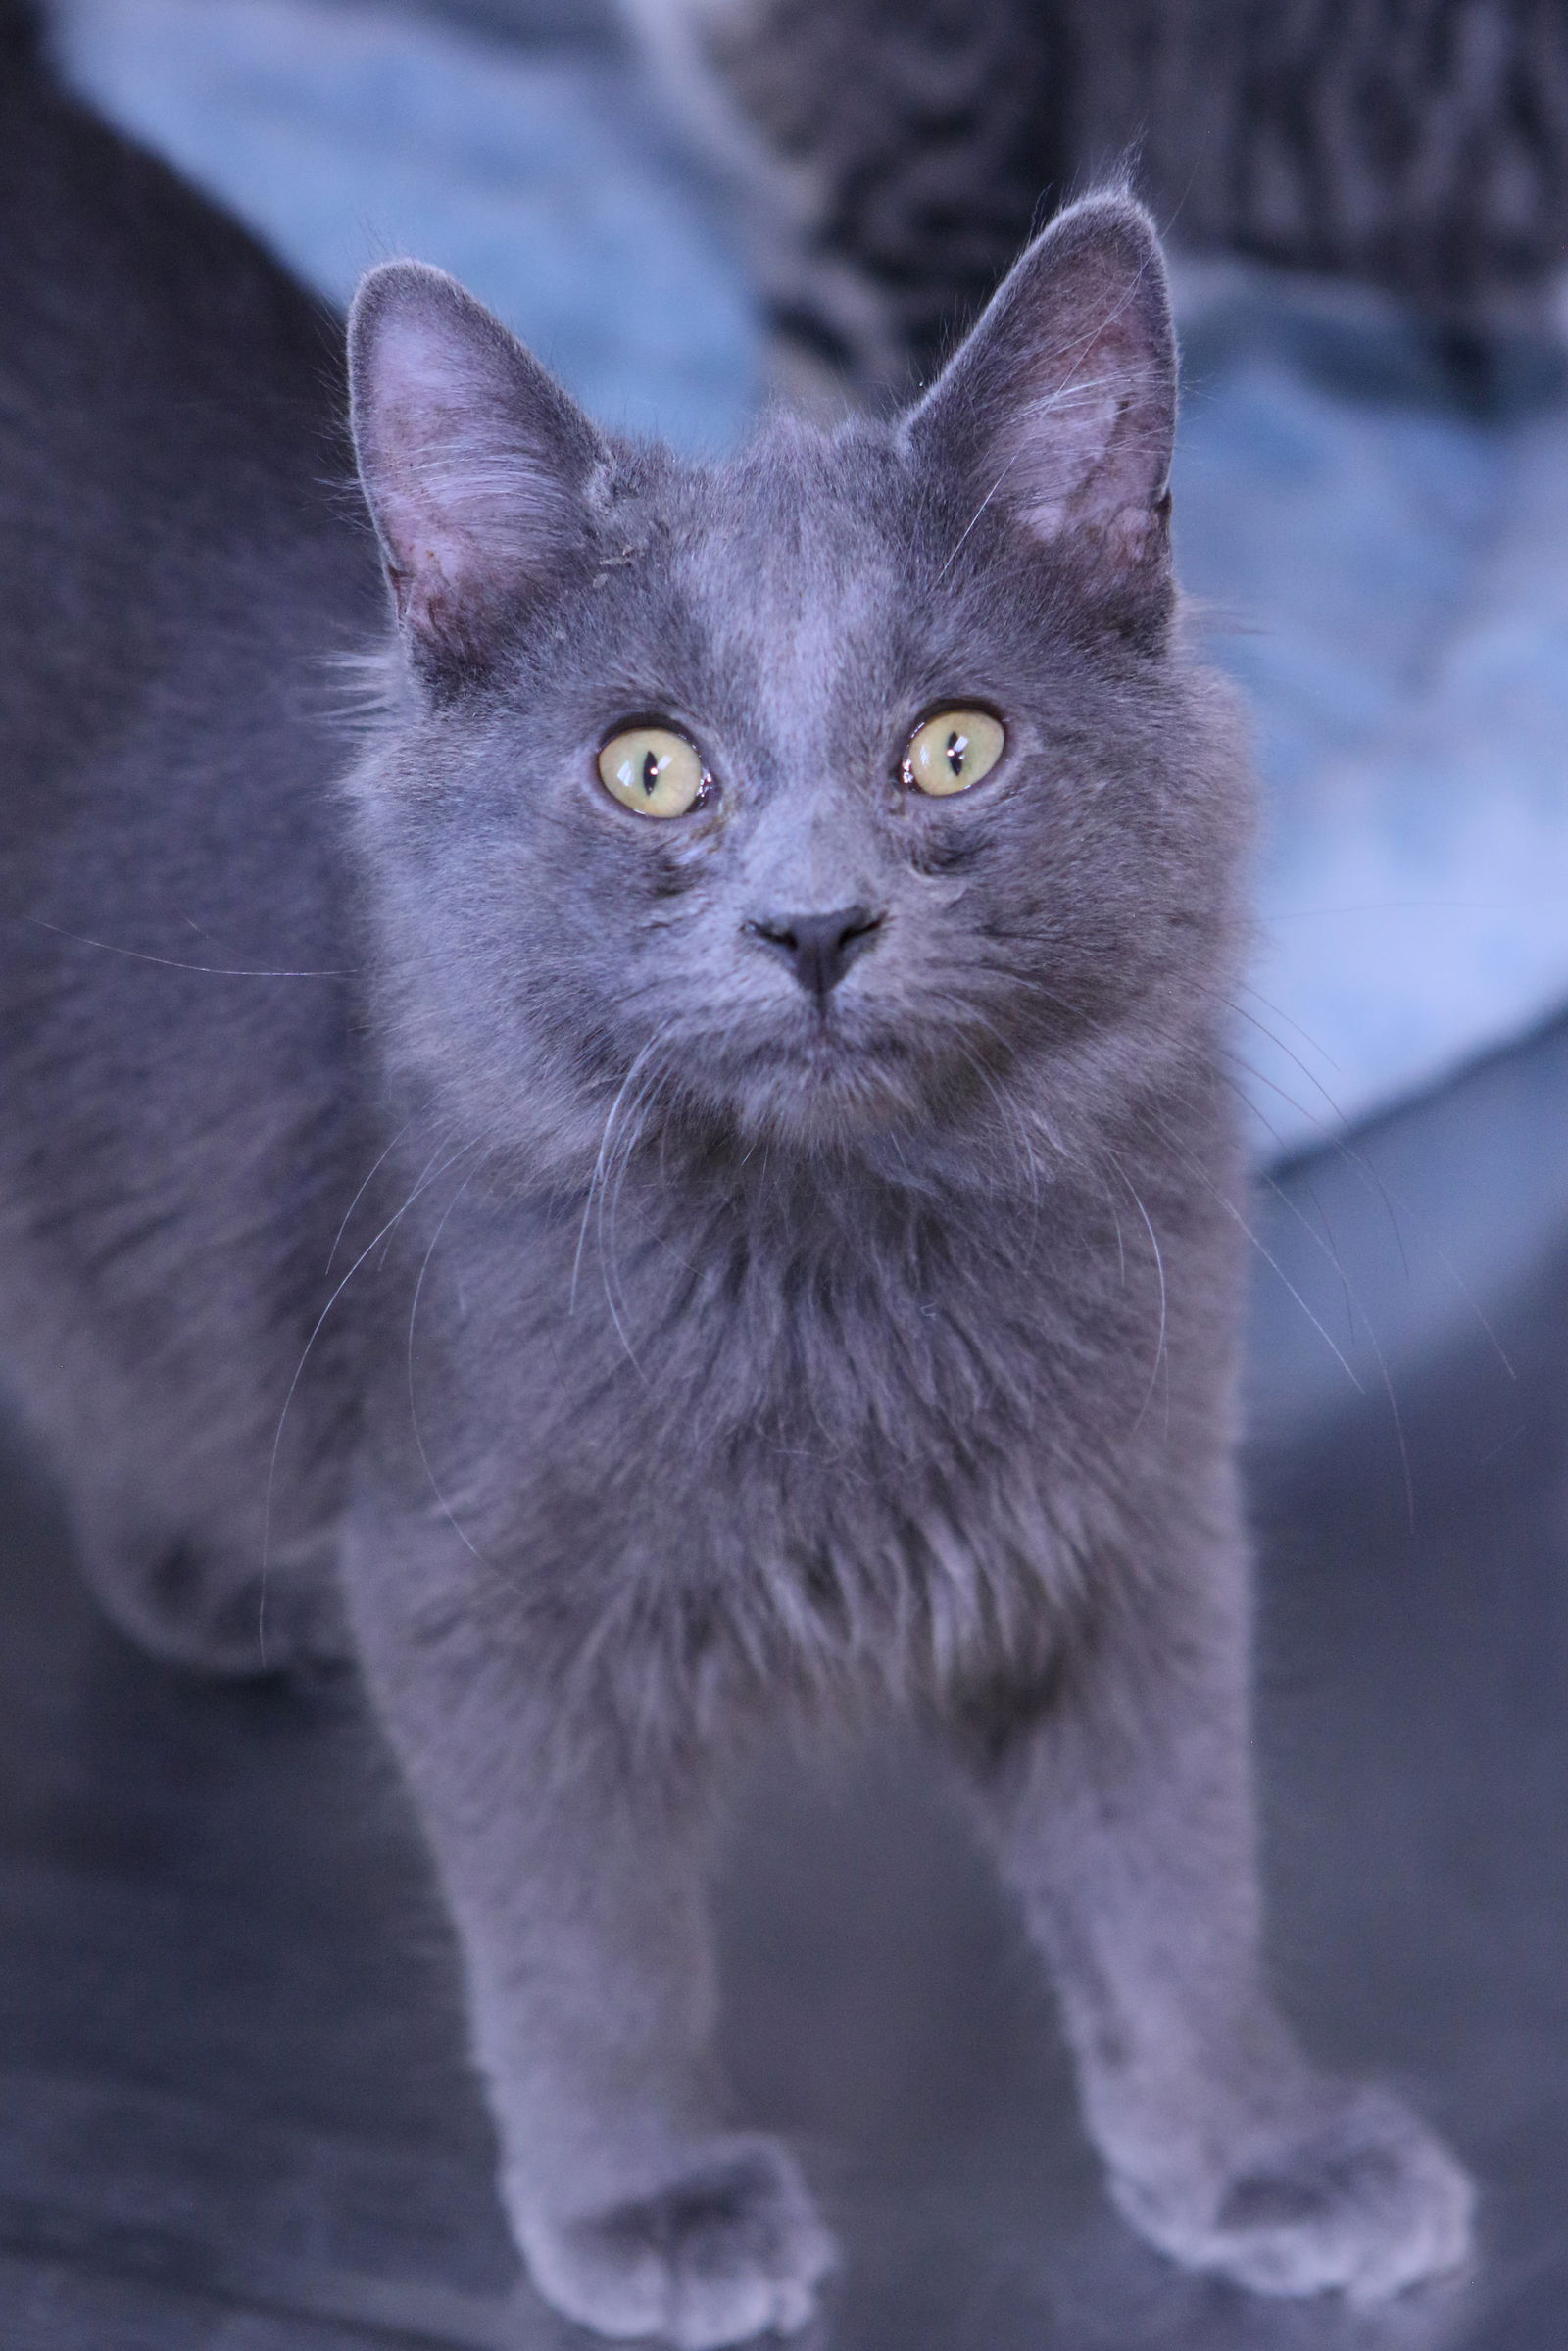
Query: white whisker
(212, 971)
(364, 1184)
(413, 1410)
(315, 1333)
(1159, 1267)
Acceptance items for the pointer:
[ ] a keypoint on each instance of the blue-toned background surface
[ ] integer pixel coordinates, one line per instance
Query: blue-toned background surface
(1385, 575)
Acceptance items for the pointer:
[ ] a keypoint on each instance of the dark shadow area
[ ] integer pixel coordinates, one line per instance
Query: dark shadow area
(235, 2111)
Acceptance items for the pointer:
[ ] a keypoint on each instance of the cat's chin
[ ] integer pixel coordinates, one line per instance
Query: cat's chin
(829, 1098)
(871, 1099)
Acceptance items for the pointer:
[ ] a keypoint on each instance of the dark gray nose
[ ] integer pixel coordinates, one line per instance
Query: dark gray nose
(819, 948)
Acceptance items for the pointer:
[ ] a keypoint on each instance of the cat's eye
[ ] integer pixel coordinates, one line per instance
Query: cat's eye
(952, 751)
(654, 770)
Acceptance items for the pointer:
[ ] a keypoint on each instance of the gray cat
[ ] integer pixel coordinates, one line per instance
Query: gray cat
(893, 153)
(694, 1185)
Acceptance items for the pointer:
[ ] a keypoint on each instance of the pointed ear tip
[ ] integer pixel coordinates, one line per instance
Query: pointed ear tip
(411, 321)
(1110, 216)
(400, 285)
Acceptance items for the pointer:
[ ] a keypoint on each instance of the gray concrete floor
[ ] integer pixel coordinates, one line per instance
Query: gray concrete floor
(233, 2111)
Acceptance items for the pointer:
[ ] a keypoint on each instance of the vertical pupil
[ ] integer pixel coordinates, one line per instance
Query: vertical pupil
(958, 745)
(652, 769)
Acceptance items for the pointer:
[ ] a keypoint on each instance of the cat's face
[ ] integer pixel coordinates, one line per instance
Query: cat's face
(843, 796)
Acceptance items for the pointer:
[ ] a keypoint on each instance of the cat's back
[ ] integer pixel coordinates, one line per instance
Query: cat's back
(181, 557)
(172, 422)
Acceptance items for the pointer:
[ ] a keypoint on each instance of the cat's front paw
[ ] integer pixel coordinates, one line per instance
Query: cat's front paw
(1365, 2201)
(730, 2249)
(211, 1613)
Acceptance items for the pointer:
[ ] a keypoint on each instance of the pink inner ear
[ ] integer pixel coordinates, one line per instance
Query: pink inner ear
(1060, 407)
(468, 495)
(1091, 447)
(461, 494)
(1054, 448)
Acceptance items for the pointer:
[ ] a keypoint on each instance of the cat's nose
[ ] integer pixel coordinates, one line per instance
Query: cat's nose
(819, 948)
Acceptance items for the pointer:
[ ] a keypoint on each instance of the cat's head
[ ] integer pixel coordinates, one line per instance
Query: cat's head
(851, 795)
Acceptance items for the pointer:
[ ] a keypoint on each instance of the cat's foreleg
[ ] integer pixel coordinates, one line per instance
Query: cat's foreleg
(1123, 1816)
(575, 1878)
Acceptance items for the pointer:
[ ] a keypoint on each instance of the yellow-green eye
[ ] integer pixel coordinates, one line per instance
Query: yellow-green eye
(952, 751)
(652, 770)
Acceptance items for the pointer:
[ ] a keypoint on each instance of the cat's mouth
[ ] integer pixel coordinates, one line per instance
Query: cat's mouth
(840, 1073)
(823, 1078)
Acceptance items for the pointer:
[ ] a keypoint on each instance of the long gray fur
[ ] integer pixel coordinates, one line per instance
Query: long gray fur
(432, 1213)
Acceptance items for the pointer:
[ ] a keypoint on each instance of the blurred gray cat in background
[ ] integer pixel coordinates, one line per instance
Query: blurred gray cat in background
(694, 1185)
(894, 153)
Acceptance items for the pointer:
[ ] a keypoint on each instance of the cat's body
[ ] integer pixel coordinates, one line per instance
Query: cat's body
(665, 1275)
(167, 793)
(895, 156)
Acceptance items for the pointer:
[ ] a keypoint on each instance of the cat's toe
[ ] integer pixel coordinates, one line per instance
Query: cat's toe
(1368, 2203)
(731, 2249)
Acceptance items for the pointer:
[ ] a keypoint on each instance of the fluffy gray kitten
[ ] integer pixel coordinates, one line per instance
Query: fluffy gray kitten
(893, 153)
(695, 1185)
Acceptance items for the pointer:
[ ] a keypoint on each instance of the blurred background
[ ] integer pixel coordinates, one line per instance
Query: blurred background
(236, 2111)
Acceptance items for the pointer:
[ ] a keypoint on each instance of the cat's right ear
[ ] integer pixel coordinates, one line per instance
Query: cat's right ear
(475, 463)
(1058, 411)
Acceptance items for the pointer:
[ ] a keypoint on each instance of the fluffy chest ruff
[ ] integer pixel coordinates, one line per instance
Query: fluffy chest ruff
(763, 1445)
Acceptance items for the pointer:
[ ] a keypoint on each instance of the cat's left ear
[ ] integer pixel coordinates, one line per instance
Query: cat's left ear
(475, 463)
(1059, 409)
